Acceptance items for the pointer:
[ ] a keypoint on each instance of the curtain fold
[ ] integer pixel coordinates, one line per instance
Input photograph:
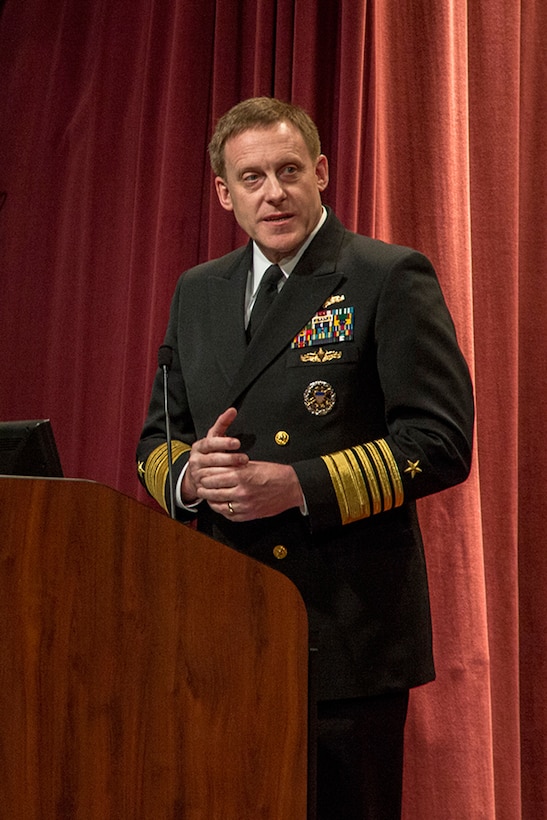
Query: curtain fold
(532, 375)
(433, 117)
(494, 67)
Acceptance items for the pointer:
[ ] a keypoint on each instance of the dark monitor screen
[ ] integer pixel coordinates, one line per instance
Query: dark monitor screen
(28, 448)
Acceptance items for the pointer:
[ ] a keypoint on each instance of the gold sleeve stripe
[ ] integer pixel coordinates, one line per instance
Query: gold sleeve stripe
(366, 480)
(393, 471)
(372, 483)
(157, 468)
(338, 485)
(358, 497)
(350, 490)
(382, 475)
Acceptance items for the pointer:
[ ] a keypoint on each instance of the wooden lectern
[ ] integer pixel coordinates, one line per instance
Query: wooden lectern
(146, 671)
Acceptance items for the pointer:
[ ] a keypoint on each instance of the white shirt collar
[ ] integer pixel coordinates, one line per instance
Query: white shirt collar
(261, 264)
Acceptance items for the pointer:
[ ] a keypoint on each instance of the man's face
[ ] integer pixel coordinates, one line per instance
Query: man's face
(273, 187)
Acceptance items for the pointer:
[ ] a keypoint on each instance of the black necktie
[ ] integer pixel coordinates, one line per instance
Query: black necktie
(264, 298)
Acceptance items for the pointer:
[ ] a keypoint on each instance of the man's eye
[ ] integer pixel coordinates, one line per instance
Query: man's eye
(249, 179)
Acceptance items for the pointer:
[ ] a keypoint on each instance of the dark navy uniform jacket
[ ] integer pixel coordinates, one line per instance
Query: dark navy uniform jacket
(355, 378)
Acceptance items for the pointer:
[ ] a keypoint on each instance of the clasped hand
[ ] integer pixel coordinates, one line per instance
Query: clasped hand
(234, 485)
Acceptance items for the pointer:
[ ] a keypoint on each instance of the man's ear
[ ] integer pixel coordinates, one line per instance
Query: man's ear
(223, 194)
(322, 172)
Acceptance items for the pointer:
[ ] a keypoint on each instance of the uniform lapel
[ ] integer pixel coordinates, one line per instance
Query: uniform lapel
(227, 298)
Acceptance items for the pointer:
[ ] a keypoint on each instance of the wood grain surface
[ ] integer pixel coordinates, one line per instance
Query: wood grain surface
(145, 671)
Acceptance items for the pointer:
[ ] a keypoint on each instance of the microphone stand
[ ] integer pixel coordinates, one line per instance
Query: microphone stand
(165, 358)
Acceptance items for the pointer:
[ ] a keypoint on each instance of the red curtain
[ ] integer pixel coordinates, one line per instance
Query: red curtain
(433, 116)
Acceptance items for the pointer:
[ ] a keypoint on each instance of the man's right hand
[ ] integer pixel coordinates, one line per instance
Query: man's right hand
(211, 456)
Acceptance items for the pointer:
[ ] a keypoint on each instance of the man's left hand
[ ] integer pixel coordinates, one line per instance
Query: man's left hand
(259, 489)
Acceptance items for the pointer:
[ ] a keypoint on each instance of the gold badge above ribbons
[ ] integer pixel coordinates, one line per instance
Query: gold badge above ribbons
(319, 398)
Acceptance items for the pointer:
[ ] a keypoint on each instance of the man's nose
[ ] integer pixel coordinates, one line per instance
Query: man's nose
(274, 190)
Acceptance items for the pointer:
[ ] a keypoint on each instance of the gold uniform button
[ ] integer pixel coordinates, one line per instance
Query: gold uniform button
(280, 551)
(282, 438)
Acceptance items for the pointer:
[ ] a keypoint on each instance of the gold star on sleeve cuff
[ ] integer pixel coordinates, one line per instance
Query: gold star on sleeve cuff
(156, 467)
(413, 468)
(366, 480)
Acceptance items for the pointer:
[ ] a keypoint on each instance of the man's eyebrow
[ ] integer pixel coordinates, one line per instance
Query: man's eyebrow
(258, 168)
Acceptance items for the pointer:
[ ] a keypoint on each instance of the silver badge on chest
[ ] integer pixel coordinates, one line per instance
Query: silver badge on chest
(319, 398)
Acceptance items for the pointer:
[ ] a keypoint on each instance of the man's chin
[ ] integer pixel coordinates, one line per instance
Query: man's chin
(276, 251)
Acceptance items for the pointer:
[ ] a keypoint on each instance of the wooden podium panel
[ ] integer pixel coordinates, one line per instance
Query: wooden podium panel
(146, 671)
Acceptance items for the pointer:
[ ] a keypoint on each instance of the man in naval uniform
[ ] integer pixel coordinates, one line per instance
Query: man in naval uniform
(308, 415)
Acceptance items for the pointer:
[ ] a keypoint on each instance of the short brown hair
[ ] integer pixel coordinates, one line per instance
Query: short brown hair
(260, 112)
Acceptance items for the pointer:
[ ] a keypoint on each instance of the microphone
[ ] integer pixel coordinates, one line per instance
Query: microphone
(165, 356)
(165, 360)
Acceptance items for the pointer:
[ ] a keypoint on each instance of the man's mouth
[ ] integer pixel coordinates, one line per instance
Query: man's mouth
(277, 218)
